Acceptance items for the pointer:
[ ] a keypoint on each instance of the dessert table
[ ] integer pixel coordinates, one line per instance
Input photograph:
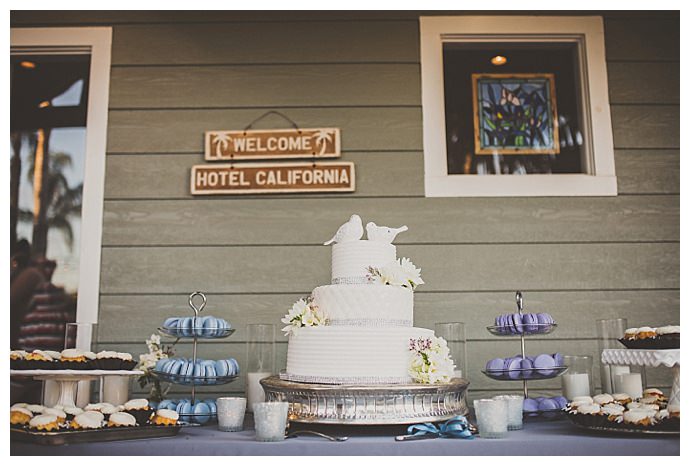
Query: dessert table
(559, 437)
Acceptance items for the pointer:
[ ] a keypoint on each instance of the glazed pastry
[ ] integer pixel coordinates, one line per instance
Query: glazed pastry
(38, 359)
(60, 414)
(674, 411)
(108, 360)
(45, 422)
(72, 411)
(622, 398)
(655, 392)
(613, 411)
(73, 359)
(639, 417)
(126, 361)
(20, 416)
(630, 334)
(93, 407)
(36, 409)
(165, 417)
(603, 399)
(140, 409)
(18, 359)
(589, 408)
(108, 409)
(118, 419)
(87, 420)
(645, 332)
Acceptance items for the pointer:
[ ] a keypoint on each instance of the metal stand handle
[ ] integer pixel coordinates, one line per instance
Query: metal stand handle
(197, 311)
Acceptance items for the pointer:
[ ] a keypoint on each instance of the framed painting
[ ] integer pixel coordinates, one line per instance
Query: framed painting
(515, 114)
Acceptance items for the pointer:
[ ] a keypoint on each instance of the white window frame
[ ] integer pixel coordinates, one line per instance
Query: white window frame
(98, 40)
(588, 33)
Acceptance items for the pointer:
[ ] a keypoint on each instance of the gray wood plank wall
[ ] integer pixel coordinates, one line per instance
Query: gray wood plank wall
(175, 75)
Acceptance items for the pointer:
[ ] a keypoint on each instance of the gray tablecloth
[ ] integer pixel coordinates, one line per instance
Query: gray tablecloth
(538, 438)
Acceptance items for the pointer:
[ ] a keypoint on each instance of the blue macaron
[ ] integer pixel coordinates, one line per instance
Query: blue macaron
(202, 412)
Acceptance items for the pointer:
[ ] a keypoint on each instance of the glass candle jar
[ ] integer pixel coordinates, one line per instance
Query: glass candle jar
(231, 413)
(609, 331)
(260, 360)
(492, 417)
(577, 381)
(270, 420)
(454, 334)
(514, 410)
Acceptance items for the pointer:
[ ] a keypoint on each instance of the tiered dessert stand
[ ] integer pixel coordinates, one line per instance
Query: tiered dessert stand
(649, 358)
(195, 333)
(524, 374)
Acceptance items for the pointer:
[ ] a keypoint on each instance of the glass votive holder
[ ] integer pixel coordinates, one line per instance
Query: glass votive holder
(514, 410)
(454, 334)
(492, 417)
(578, 381)
(230, 412)
(270, 419)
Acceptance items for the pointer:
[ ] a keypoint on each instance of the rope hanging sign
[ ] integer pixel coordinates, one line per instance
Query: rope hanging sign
(293, 143)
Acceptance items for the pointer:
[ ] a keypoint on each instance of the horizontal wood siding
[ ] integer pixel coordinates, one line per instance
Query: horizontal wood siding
(175, 75)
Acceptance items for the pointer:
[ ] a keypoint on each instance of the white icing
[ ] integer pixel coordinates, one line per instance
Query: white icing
(589, 408)
(168, 414)
(348, 353)
(19, 409)
(89, 419)
(72, 353)
(603, 398)
(667, 329)
(122, 419)
(42, 420)
(137, 403)
(363, 303)
(351, 259)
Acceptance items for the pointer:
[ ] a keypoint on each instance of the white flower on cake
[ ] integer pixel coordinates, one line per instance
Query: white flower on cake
(399, 273)
(430, 360)
(304, 313)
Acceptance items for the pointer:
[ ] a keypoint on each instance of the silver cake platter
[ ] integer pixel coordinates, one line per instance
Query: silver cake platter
(369, 404)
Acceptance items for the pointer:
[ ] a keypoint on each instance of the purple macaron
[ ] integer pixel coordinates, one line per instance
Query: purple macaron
(516, 321)
(548, 404)
(544, 364)
(558, 359)
(531, 323)
(514, 367)
(561, 401)
(545, 318)
(527, 367)
(530, 406)
(495, 365)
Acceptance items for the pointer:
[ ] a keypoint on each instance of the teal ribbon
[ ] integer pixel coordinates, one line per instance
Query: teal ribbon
(456, 427)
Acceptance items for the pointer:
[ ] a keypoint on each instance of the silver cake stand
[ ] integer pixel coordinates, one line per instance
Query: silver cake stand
(369, 404)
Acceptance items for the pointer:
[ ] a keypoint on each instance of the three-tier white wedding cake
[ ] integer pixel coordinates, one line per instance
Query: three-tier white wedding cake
(359, 329)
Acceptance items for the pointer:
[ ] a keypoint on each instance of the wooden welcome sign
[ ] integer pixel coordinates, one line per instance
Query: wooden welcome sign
(272, 144)
(264, 178)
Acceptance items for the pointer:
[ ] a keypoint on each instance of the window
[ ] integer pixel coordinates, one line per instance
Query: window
(59, 102)
(515, 106)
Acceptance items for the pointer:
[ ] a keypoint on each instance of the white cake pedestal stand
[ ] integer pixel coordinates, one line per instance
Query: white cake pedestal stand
(651, 358)
(68, 380)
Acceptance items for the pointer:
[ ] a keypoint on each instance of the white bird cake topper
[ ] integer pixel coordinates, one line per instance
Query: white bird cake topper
(383, 234)
(349, 231)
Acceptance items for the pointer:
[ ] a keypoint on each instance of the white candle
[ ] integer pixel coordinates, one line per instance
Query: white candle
(609, 373)
(575, 385)
(628, 383)
(255, 392)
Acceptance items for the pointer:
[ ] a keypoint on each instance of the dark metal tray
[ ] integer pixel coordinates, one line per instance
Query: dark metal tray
(106, 434)
(614, 428)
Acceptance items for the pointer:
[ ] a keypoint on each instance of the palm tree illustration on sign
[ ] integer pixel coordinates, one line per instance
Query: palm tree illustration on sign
(323, 137)
(222, 142)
